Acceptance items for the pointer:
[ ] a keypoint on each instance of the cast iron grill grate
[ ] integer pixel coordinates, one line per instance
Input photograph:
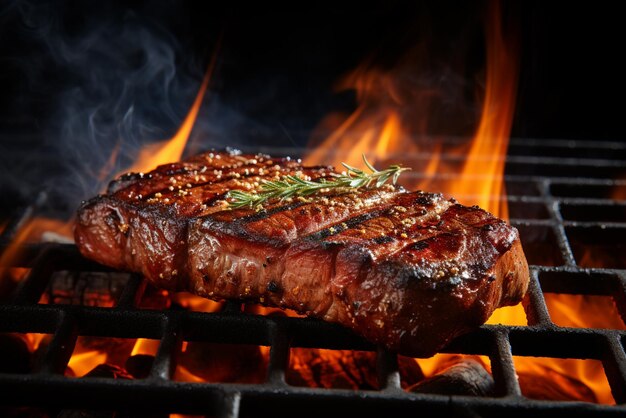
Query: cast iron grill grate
(566, 206)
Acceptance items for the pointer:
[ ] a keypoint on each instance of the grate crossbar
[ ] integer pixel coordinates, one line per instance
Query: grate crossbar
(569, 207)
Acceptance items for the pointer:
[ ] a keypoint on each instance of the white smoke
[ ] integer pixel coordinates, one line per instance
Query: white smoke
(112, 83)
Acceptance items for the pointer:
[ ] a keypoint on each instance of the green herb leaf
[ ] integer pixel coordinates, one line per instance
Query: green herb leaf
(292, 186)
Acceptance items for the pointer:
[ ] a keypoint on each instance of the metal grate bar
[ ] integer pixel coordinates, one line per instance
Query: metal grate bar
(171, 343)
(133, 291)
(555, 215)
(231, 404)
(61, 347)
(35, 283)
(279, 357)
(619, 295)
(388, 372)
(502, 366)
(551, 201)
(615, 367)
(260, 400)
(535, 309)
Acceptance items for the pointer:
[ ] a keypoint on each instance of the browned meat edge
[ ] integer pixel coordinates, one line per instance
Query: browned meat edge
(409, 271)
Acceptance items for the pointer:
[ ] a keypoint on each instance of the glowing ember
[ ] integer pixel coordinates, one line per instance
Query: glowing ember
(332, 369)
(619, 192)
(225, 363)
(431, 366)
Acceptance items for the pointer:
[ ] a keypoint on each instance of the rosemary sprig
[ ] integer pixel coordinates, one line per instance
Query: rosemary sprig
(292, 186)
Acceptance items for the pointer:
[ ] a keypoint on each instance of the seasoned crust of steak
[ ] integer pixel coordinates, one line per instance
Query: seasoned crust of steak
(407, 270)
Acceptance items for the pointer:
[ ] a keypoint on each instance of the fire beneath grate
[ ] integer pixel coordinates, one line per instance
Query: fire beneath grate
(78, 337)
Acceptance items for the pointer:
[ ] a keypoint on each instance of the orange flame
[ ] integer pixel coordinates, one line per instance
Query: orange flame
(376, 135)
(171, 150)
(35, 230)
(571, 378)
(34, 340)
(376, 128)
(83, 363)
(145, 346)
(45, 229)
(563, 379)
(195, 303)
(387, 124)
(489, 146)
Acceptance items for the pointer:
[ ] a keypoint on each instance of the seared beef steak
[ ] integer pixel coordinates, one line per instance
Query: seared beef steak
(407, 270)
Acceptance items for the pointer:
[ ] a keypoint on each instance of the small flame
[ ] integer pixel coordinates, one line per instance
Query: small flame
(600, 311)
(145, 346)
(35, 230)
(83, 363)
(34, 340)
(195, 303)
(567, 379)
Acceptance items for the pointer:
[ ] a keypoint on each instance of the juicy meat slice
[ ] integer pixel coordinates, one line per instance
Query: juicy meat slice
(406, 270)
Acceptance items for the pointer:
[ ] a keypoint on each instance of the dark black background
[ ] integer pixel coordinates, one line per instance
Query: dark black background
(277, 68)
(572, 85)
(278, 65)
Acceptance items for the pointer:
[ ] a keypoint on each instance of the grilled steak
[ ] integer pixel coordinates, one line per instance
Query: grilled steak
(406, 270)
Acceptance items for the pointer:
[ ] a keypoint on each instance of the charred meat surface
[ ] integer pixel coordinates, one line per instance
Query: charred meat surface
(407, 270)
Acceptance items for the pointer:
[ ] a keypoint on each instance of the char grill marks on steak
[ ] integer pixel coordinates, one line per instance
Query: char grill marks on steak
(406, 270)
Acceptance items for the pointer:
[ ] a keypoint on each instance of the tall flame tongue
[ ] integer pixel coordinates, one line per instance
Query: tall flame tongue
(388, 120)
(489, 147)
(383, 128)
